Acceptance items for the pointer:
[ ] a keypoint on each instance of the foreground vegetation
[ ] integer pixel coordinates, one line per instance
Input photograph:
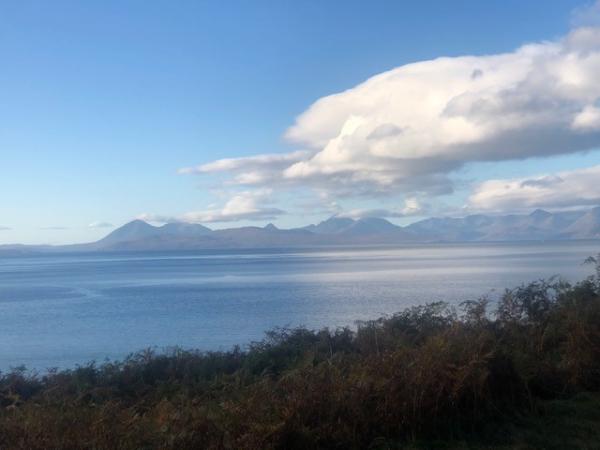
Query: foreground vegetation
(524, 374)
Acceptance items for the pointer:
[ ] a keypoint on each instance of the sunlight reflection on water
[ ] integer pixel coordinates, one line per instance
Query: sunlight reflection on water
(60, 310)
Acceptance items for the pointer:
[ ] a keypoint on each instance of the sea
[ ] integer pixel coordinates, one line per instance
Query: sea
(65, 310)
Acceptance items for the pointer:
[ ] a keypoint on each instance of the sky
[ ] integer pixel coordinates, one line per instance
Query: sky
(234, 113)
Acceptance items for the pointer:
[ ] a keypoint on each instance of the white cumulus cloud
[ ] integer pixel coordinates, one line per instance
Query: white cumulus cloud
(405, 130)
(588, 119)
(564, 189)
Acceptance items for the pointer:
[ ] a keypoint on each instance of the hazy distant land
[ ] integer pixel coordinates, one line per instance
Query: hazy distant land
(539, 225)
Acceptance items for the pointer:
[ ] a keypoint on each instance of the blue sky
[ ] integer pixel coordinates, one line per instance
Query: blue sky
(102, 103)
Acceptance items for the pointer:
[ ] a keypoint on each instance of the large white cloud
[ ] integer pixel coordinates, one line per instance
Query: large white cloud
(570, 189)
(406, 129)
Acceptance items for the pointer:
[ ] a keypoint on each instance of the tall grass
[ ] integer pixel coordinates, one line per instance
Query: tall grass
(432, 373)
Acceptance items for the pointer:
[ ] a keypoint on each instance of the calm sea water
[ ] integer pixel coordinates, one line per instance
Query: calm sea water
(63, 310)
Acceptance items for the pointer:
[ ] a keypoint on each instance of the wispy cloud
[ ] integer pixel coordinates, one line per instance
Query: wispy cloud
(412, 207)
(250, 170)
(586, 15)
(57, 228)
(2, 228)
(247, 205)
(97, 225)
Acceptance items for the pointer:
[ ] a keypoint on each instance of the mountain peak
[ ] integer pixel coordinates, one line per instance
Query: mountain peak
(184, 229)
(373, 220)
(540, 214)
(336, 218)
(270, 227)
(137, 222)
(334, 224)
(136, 229)
(372, 225)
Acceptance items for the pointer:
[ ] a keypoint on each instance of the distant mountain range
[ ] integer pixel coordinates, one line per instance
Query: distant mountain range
(537, 226)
